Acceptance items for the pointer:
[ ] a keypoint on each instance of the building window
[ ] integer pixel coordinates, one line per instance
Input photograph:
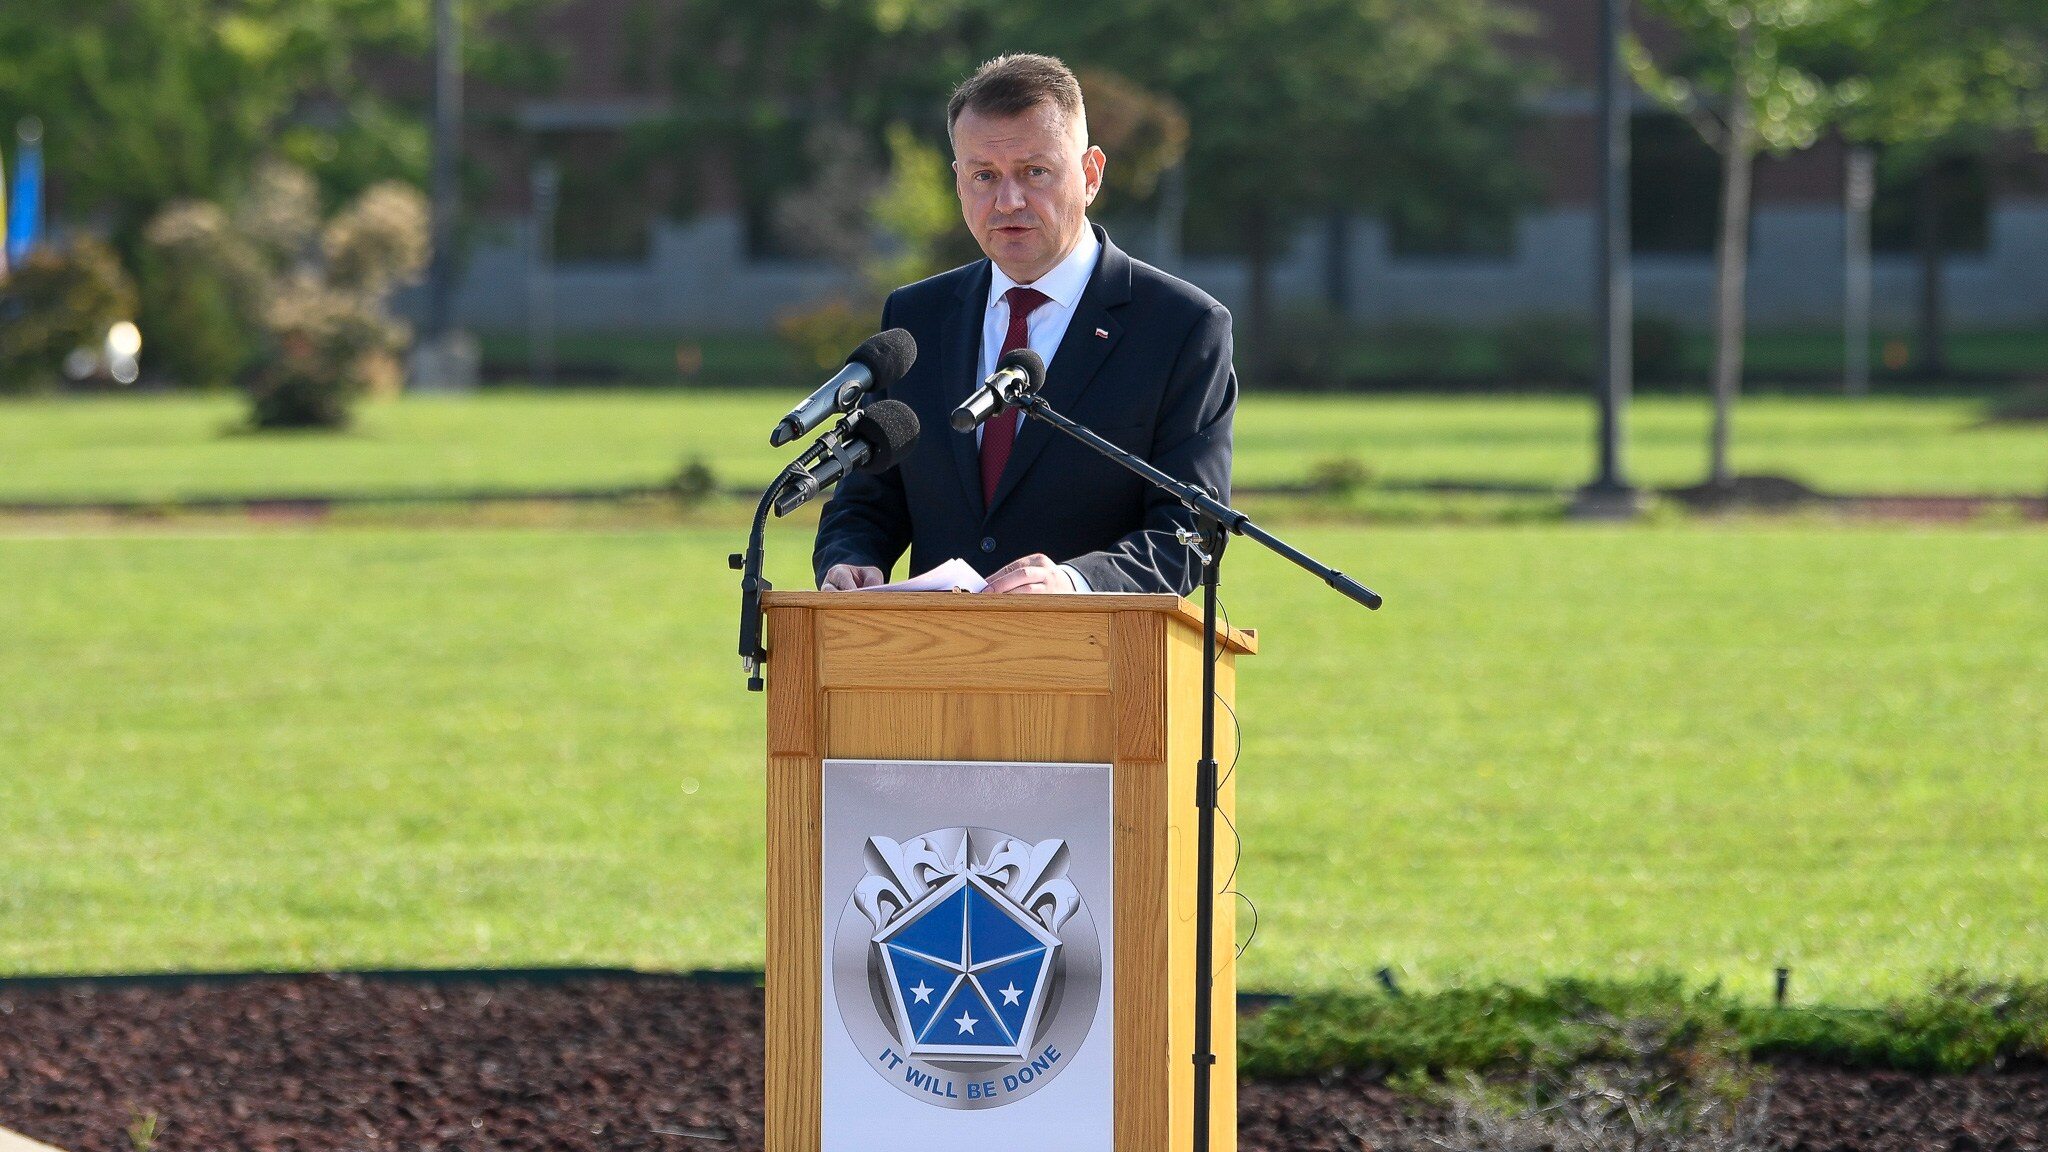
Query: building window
(1961, 202)
(1674, 187)
(775, 161)
(608, 197)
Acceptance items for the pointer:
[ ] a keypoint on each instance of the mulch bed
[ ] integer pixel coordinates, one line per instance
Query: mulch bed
(614, 1062)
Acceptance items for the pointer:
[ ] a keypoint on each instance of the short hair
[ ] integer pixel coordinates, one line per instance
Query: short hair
(1015, 83)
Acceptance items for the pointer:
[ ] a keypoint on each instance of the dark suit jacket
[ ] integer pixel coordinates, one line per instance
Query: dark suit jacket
(1157, 381)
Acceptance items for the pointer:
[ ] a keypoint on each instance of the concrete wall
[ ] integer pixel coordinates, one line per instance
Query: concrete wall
(698, 277)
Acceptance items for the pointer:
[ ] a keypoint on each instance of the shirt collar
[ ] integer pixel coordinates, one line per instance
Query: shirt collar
(1064, 283)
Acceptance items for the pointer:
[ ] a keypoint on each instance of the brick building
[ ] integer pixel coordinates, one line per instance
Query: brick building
(674, 248)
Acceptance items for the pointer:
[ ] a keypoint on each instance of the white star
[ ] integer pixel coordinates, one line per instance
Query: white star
(966, 1024)
(1012, 994)
(923, 992)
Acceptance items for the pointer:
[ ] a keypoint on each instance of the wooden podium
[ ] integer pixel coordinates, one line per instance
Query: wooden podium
(1092, 679)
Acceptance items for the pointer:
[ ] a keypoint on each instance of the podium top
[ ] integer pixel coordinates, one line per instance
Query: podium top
(1243, 641)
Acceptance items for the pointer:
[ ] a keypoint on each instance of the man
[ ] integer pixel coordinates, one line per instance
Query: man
(1140, 357)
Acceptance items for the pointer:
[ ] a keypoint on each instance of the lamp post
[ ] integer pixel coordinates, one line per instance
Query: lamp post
(540, 280)
(445, 358)
(1610, 495)
(1860, 191)
(447, 148)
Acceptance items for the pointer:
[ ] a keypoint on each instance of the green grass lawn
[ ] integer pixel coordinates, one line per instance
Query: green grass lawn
(1706, 750)
(172, 447)
(1396, 352)
(752, 358)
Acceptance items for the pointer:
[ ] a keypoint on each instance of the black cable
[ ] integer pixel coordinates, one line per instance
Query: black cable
(1253, 934)
(1229, 887)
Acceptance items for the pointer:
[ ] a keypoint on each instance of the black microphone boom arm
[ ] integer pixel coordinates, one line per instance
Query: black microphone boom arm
(1198, 500)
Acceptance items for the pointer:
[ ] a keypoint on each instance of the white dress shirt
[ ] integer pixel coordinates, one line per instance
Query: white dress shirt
(1048, 324)
(1046, 327)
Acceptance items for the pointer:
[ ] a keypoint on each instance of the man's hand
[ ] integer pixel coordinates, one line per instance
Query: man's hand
(1034, 573)
(847, 577)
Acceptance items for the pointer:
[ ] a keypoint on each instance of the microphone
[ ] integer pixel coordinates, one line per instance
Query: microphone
(873, 439)
(878, 363)
(1019, 373)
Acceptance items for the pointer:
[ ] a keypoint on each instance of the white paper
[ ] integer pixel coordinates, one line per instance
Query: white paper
(955, 575)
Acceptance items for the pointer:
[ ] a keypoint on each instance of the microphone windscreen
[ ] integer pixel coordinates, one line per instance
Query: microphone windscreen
(887, 355)
(1031, 362)
(889, 428)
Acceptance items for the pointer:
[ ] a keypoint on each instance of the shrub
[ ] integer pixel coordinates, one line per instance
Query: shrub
(196, 332)
(884, 230)
(314, 294)
(1542, 349)
(693, 483)
(1419, 351)
(326, 342)
(1658, 348)
(1959, 1026)
(378, 240)
(2028, 404)
(198, 303)
(821, 335)
(1338, 475)
(1674, 1087)
(1306, 349)
(59, 300)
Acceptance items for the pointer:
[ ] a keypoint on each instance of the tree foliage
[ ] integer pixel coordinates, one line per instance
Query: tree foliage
(1735, 50)
(58, 300)
(1278, 110)
(1924, 73)
(1932, 83)
(149, 101)
(310, 289)
(1311, 106)
(1740, 88)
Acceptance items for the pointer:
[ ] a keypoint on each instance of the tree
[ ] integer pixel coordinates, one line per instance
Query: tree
(1298, 109)
(1931, 81)
(57, 301)
(1743, 94)
(316, 290)
(149, 101)
(1291, 109)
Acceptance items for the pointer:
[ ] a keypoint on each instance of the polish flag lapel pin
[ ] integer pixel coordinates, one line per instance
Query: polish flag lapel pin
(1102, 333)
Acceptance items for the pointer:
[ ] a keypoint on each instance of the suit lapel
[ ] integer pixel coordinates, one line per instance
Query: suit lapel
(960, 353)
(1081, 354)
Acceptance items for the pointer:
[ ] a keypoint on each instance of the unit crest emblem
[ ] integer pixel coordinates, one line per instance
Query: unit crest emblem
(966, 965)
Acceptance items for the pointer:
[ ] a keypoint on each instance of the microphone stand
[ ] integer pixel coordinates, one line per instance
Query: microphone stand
(752, 584)
(1215, 523)
(784, 500)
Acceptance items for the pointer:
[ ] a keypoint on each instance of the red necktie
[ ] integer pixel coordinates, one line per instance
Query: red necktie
(999, 434)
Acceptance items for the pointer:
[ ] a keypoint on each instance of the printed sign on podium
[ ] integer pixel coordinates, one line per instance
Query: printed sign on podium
(967, 942)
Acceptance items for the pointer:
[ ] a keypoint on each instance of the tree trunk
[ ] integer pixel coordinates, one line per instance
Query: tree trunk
(1859, 191)
(1169, 220)
(1337, 264)
(1731, 273)
(1928, 239)
(1258, 266)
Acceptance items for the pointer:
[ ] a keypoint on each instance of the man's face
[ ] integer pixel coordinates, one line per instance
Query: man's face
(1025, 183)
